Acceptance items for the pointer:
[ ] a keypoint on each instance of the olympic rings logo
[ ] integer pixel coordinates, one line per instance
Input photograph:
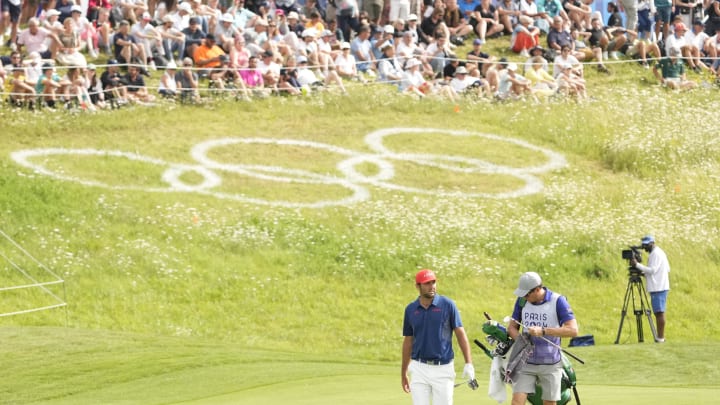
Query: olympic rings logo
(352, 180)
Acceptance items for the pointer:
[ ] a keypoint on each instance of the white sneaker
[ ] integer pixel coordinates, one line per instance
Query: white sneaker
(524, 53)
(93, 53)
(605, 55)
(614, 55)
(152, 66)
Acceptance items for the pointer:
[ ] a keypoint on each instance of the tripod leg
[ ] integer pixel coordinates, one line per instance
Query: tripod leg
(623, 313)
(637, 285)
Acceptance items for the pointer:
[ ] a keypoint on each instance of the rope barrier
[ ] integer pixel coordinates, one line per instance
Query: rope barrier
(207, 72)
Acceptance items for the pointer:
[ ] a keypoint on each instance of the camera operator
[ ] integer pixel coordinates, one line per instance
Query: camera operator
(657, 280)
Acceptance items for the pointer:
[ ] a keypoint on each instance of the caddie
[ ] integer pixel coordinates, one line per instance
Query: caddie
(541, 313)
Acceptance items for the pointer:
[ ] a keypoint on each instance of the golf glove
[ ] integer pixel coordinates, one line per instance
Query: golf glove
(469, 371)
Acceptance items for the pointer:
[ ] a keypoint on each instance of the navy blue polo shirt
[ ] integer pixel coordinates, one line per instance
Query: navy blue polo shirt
(432, 328)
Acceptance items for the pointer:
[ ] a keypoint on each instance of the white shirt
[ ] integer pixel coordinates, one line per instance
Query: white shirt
(657, 270)
(271, 67)
(34, 43)
(528, 8)
(389, 71)
(410, 78)
(697, 40)
(559, 61)
(674, 42)
(405, 51)
(460, 85)
(344, 64)
(306, 77)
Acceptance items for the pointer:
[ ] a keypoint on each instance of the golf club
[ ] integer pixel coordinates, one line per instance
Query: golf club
(473, 384)
(507, 319)
(484, 348)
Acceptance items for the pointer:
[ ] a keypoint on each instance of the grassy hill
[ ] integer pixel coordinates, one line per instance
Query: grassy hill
(186, 260)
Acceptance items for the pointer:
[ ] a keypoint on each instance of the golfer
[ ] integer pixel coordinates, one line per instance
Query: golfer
(657, 279)
(427, 352)
(547, 314)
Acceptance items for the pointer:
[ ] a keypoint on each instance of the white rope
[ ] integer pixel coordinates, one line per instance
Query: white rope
(35, 283)
(26, 311)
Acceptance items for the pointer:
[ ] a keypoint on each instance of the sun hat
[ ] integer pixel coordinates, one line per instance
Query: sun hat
(412, 63)
(423, 276)
(461, 70)
(345, 45)
(528, 281)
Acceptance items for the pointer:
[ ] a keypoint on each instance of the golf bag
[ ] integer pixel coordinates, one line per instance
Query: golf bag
(497, 336)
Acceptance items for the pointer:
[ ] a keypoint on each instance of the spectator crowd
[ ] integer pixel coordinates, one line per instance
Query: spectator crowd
(259, 48)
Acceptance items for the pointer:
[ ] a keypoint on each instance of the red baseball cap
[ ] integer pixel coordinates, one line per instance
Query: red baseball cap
(425, 275)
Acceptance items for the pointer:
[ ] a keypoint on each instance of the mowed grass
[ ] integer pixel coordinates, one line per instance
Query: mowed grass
(102, 367)
(198, 297)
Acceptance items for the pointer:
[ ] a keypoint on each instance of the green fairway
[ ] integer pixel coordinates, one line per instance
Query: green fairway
(64, 366)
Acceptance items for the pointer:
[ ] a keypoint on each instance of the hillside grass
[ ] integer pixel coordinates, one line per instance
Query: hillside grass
(162, 280)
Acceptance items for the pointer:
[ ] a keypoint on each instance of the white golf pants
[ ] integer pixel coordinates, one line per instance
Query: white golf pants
(431, 384)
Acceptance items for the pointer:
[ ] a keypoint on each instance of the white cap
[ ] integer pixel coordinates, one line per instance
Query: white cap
(52, 12)
(512, 67)
(292, 15)
(146, 16)
(76, 8)
(389, 29)
(345, 45)
(528, 281)
(185, 6)
(412, 17)
(171, 65)
(227, 17)
(412, 63)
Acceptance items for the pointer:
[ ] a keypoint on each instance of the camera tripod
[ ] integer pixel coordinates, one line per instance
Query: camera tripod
(636, 294)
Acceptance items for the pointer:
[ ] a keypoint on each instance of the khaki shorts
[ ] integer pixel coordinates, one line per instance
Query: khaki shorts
(548, 376)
